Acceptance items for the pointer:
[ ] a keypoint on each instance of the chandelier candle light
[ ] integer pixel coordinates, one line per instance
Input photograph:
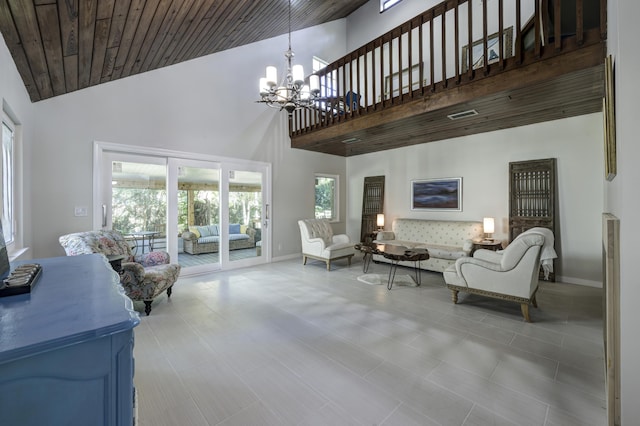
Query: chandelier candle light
(292, 93)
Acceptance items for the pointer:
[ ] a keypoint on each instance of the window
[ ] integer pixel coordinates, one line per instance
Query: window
(327, 197)
(386, 4)
(8, 132)
(328, 84)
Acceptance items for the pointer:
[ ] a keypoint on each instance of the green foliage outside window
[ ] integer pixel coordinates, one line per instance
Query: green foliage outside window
(144, 209)
(325, 198)
(139, 209)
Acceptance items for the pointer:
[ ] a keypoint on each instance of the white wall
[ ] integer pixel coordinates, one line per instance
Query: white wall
(207, 106)
(16, 101)
(367, 23)
(483, 163)
(622, 193)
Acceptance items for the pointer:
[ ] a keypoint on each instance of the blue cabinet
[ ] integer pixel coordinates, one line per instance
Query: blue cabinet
(66, 349)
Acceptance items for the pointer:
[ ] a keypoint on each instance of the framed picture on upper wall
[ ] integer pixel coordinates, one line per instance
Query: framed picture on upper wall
(437, 194)
(491, 50)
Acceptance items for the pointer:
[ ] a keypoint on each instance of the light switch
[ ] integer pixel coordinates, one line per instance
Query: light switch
(80, 211)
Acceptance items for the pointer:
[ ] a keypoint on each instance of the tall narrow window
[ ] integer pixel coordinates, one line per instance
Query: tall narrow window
(386, 4)
(8, 131)
(327, 197)
(329, 83)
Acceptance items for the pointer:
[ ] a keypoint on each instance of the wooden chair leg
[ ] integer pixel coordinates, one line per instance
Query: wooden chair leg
(524, 307)
(147, 306)
(328, 265)
(534, 302)
(169, 291)
(454, 296)
(304, 260)
(349, 259)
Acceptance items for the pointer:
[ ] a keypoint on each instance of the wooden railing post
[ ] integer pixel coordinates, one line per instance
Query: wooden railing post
(579, 22)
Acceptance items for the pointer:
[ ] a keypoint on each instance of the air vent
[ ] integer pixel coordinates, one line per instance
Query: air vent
(351, 140)
(463, 114)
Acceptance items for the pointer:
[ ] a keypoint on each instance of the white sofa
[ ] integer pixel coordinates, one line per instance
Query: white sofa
(319, 242)
(446, 240)
(509, 274)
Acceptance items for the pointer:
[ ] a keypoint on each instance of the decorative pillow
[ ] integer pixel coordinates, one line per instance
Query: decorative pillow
(204, 231)
(214, 230)
(194, 230)
(243, 229)
(234, 228)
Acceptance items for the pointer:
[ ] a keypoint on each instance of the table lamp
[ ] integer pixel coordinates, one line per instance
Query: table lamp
(380, 221)
(489, 228)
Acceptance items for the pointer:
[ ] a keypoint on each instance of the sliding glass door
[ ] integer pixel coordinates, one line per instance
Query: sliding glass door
(207, 214)
(196, 198)
(135, 202)
(247, 214)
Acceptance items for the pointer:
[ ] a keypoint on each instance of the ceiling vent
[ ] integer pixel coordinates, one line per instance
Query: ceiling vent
(351, 140)
(463, 114)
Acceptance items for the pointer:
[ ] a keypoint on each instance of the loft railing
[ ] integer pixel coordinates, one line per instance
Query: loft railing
(431, 53)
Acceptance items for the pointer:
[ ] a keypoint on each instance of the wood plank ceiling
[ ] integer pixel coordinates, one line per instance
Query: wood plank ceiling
(60, 46)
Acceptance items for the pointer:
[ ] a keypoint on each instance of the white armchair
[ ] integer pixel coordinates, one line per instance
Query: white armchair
(318, 242)
(510, 274)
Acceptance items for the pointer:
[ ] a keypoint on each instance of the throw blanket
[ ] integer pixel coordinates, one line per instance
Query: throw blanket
(547, 254)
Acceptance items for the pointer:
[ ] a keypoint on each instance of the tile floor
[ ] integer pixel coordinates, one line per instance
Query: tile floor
(286, 344)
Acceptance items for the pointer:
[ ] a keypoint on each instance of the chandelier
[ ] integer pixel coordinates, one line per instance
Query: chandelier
(292, 93)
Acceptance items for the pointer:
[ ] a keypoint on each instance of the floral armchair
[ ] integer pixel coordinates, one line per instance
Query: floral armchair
(143, 276)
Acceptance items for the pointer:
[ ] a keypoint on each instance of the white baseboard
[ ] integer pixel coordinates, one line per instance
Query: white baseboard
(286, 257)
(579, 281)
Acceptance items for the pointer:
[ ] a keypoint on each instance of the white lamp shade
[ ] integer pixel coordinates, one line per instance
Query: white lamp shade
(304, 92)
(380, 220)
(297, 72)
(489, 225)
(314, 84)
(272, 76)
(264, 88)
(282, 94)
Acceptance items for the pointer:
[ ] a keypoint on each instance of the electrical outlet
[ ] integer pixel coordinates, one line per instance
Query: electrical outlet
(80, 211)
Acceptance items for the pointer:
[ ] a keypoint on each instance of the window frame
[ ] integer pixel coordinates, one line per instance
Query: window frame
(329, 84)
(336, 195)
(388, 4)
(9, 202)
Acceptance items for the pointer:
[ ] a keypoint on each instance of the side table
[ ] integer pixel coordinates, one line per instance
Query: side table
(116, 262)
(487, 245)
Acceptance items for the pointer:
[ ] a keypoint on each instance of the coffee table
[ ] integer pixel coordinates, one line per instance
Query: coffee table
(395, 254)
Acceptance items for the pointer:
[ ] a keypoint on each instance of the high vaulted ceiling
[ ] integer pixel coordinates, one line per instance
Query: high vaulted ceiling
(60, 46)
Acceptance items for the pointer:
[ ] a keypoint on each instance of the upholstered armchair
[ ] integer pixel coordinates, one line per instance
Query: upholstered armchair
(143, 276)
(318, 242)
(510, 274)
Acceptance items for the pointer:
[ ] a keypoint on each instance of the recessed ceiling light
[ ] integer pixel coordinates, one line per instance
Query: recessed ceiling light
(463, 114)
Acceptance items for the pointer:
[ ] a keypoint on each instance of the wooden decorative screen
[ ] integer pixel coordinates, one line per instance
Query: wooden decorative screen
(532, 196)
(372, 204)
